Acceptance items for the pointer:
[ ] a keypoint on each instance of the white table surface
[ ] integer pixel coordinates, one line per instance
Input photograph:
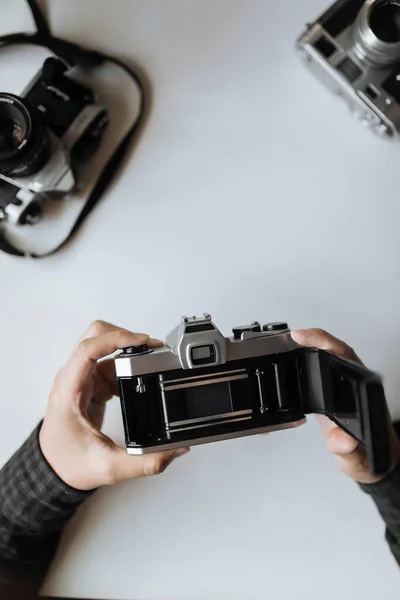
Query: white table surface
(252, 195)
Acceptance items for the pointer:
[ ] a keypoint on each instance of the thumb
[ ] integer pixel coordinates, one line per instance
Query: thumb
(341, 443)
(125, 466)
(350, 455)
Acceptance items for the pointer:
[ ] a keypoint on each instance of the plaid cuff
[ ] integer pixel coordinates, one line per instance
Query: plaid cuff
(388, 487)
(34, 503)
(386, 497)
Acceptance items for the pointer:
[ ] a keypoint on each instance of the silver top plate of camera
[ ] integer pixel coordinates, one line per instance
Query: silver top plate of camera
(197, 343)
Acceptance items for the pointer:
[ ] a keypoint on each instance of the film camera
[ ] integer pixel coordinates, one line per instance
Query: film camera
(54, 126)
(354, 49)
(202, 387)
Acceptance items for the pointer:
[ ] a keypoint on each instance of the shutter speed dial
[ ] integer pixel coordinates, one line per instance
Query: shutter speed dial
(278, 326)
(254, 327)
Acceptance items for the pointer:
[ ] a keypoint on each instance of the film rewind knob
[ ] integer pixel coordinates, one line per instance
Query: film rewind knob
(134, 350)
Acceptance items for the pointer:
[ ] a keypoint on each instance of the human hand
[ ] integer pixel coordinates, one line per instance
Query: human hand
(70, 436)
(350, 455)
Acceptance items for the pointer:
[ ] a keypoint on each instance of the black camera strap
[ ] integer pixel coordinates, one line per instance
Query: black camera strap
(40, 20)
(73, 54)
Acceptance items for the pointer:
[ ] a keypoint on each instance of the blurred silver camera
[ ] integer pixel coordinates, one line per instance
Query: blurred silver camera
(354, 49)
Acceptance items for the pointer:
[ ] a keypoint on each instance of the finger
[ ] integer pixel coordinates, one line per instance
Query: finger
(96, 328)
(103, 389)
(318, 338)
(83, 361)
(107, 368)
(99, 327)
(350, 456)
(325, 423)
(124, 466)
(340, 443)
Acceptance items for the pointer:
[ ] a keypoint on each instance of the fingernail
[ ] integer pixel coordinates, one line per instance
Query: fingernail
(298, 334)
(181, 452)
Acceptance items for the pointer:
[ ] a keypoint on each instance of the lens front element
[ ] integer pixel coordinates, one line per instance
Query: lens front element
(14, 125)
(385, 21)
(24, 140)
(12, 134)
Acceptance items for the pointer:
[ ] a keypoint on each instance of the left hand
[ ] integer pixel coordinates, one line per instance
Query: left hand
(70, 437)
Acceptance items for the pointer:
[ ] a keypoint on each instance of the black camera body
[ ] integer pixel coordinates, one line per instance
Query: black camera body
(202, 387)
(56, 125)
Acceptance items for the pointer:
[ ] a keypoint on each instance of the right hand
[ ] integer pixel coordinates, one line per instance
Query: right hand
(350, 455)
(71, 438)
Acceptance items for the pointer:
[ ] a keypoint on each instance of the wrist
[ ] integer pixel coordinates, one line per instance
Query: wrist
(65, 469)
(381, 480)
(380, 487)
(52, 477)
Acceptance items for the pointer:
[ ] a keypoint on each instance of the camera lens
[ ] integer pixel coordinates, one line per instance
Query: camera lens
(24, 140)
(385, 21)
(376, 33)
(12, 133)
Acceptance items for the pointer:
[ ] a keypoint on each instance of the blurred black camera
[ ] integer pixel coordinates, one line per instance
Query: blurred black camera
(202, 387)
(55, 125)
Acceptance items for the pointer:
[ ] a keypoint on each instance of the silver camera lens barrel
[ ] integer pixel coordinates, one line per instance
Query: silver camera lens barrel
(24, 140)
(376, 33)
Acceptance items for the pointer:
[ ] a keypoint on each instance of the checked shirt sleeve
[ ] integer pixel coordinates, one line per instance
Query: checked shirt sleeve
(35, 505)
(386, 496)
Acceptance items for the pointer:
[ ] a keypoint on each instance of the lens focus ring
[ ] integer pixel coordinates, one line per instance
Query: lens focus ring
(384, 21)
(24, 140)
(377, 32)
